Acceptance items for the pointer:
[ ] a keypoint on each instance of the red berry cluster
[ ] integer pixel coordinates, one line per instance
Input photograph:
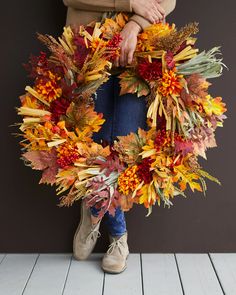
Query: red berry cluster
(160, 139)
(67, 156)
(144, 170)
(115, 41)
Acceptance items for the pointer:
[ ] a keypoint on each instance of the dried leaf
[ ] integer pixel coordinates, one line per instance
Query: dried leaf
(185, 177)
(197, 88)
(183, 147)
(131, 83)
(43, 160)
(130, 146)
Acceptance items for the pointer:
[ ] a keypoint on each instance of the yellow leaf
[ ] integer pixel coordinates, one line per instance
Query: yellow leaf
(184, 176)
(214, 106)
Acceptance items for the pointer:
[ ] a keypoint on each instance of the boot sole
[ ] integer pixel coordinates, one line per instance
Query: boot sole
(77, 230)
(116, 272)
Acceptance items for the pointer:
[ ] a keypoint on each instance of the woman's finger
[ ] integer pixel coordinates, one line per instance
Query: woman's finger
(157, 16)
(130, 55)
(126, 56)
(152, 18)
(122, 56)
(116, 61)
(160, 9)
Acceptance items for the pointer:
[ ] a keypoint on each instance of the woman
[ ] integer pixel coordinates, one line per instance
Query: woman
(123, 114)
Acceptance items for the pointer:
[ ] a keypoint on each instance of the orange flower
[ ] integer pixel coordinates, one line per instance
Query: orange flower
(170, 83)
(48, 88)
(128, 180)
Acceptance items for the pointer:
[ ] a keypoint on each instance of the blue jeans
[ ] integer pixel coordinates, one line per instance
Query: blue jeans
(123, 114)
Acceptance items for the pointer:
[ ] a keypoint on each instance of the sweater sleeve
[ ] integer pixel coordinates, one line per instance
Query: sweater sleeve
(143, 22)
(101, 5)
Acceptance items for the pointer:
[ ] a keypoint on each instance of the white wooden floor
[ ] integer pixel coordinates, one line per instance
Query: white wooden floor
(146, 274)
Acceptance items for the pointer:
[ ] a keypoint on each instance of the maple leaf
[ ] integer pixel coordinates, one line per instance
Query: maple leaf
(113, 25)
(92, 150)
(131, 83)
(214, 106)
(130, 146)
(112, 163)
(197, 88)
(202, 138)
(43, 160)
(185, 177)
(183, 147)
(82, 117)
(110, 27)
(103, 200)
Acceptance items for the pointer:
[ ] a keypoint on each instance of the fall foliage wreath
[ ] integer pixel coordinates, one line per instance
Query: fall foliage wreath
(146, 167)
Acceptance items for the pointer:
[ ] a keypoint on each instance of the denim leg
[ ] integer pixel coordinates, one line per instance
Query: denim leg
(124, 114)
(116, 224)
(104, 103)
(94, 211)
(130, 112)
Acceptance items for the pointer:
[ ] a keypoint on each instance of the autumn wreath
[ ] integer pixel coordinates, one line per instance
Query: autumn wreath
(146, 167)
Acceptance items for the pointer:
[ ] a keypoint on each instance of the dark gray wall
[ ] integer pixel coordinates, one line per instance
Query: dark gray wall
(30, 221)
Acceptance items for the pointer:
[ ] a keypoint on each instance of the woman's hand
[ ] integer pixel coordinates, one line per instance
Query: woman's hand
(149, 9)
(128, 44)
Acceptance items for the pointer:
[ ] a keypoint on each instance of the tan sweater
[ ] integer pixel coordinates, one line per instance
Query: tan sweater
(85, 11)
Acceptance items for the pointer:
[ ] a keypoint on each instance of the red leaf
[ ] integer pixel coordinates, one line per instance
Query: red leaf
(43, 160)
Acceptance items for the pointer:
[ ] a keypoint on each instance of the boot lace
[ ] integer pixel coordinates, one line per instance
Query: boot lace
(116, 243)
(94, 234)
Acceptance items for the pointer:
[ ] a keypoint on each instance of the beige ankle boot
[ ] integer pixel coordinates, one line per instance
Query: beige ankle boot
(114, 260)
(86, 234)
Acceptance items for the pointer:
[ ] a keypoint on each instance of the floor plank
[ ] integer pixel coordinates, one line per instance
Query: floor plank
(197, 274)
(15, 270)
(56, 274)
(2, 257)
(160, 274)
(85, 277)
(225, 266)
(128, 282)
(49, 275)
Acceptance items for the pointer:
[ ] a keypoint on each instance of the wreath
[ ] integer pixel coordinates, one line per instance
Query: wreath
(147, 167)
